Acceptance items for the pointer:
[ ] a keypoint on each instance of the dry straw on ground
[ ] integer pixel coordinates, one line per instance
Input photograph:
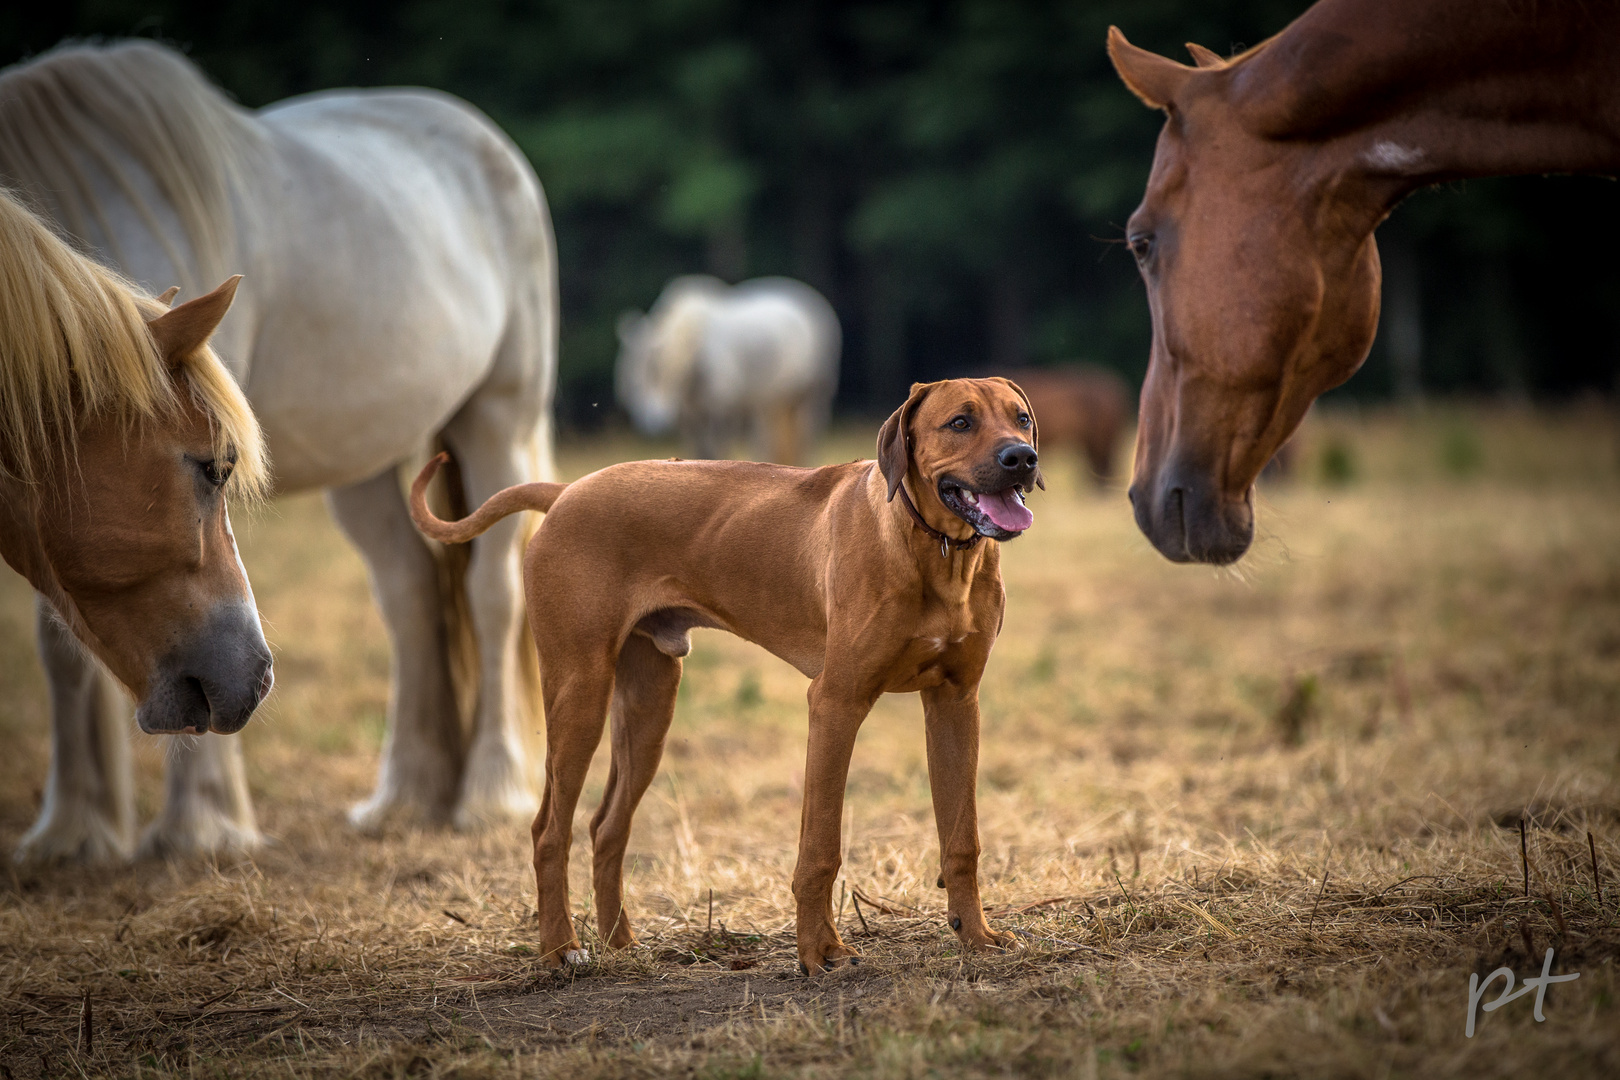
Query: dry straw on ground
(1250, 823)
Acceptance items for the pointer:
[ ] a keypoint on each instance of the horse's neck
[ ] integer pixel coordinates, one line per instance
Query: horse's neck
(1449, 89)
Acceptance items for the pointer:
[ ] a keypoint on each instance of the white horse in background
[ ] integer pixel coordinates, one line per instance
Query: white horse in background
(401, 288)
(716, 360)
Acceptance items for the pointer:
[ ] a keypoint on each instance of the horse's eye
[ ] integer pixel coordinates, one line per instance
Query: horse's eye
(961, 423)
(1141, 246)
(217, 472)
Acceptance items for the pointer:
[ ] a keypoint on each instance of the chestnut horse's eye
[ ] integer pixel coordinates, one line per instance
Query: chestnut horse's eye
(961, 423)
(1141, 246)
(217, 472)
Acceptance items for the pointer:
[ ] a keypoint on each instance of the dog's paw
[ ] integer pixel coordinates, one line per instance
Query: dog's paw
(836, 957)
(1002, 941)
(983, 939)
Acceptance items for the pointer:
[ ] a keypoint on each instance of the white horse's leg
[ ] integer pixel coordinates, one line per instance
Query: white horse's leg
(89, 809)
(206, 806)
(421, 758)
(493, 449)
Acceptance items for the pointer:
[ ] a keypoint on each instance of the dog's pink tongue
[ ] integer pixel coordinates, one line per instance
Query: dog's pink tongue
(1007, 510)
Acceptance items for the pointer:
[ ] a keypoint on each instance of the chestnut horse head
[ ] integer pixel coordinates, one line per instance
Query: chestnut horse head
(1264, 294)
(1255, 236)
(121, 435)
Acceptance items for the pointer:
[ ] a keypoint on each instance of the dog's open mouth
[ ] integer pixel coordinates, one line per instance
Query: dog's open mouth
(1000, 515)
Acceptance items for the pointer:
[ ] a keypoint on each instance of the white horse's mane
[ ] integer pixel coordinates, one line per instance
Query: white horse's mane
(61, 112)
(677, 320)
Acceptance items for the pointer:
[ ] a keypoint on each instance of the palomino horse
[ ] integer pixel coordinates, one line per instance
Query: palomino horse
(1255, 237)
(121, 434)
(400, 288)
(762, 356)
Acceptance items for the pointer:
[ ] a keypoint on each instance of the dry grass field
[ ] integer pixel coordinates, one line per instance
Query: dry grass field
(1248, 823)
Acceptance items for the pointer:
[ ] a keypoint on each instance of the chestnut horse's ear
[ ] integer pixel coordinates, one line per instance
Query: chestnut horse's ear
(894, 439)
(1153, 78)
(1205, 58)
(166, 297)
(183, 330)
(1034, 425)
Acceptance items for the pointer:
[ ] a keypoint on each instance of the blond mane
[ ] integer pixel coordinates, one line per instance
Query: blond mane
(74, 344)
(678, 319)
(75, 105)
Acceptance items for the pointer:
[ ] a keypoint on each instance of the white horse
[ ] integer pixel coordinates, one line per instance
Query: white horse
(400, 288)
(713, 359)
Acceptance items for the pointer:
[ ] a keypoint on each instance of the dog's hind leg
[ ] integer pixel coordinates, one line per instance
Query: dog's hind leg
(576, 697)
(644, 687)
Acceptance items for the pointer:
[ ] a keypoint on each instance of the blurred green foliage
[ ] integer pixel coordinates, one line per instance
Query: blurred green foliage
(1338, 462)
(953, 175)
(1460, 449)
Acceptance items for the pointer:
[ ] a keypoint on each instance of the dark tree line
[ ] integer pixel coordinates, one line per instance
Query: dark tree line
(953, 175)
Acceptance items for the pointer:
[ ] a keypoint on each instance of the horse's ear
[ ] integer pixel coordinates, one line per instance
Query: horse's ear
(1205, 58)
(166, 297)
(183, 330)
(1153, 78)
(894, 439)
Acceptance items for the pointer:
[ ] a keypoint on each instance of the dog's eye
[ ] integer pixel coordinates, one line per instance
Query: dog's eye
(1023, 419)
(961, 423)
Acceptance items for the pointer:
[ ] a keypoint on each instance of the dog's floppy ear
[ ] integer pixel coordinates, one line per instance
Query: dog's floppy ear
(894, 440)
(1034, 425)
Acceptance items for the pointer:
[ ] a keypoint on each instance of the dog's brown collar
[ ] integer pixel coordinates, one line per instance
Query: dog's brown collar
(945, 542)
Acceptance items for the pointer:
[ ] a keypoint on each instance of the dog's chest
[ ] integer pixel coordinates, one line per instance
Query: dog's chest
(933, 648)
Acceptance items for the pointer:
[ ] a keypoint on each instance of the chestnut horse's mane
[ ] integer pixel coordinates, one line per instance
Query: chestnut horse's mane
(74, 343)
(131, 107)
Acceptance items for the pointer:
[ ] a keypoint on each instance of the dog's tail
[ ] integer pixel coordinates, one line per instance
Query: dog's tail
(502, 504)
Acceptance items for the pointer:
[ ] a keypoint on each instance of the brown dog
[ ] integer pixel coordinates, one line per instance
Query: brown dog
(864, 592)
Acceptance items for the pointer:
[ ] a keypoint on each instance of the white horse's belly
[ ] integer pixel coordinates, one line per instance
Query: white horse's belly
(370, 340)
(756, 354)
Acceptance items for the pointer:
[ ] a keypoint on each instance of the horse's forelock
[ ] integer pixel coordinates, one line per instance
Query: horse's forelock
(74, 342)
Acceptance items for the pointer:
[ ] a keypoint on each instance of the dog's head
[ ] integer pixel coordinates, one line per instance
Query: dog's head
(969, 444)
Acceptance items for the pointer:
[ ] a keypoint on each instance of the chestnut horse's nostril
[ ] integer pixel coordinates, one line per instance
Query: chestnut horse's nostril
(1178, 499)
(1018, 457)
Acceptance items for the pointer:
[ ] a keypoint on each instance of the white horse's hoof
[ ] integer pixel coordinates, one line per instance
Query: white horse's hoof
(394, 807)
(494, 790)
(577, 957)
(84, 837)
(514, 805)
(199, 836)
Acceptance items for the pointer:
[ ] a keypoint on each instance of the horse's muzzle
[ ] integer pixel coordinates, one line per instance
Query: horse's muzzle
(212, 682)
(1189, 521)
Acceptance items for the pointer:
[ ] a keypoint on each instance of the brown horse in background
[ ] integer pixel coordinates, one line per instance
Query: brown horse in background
(1255, 236)
(121, 434)
(1081, 406)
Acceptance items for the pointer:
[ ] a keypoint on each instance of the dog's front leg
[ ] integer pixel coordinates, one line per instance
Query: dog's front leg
(952, 716)
(835, 718)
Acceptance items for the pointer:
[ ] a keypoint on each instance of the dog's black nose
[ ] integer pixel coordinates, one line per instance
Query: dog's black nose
(1017, 457)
